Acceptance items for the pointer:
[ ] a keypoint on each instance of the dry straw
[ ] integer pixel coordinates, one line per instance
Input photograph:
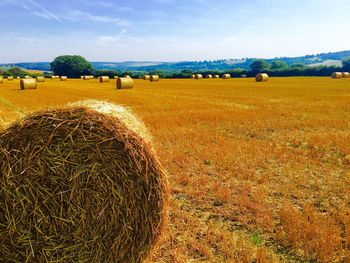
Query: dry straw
(28, 83)
(79, 185)
(209, 76)
(226, 76)
(154, 78)
(261, 77)
(40, 79)
(125, 83)
(346, 74)
(146, 77)
(104, 79)
(63, 78)
(337, 75)
(198, 76)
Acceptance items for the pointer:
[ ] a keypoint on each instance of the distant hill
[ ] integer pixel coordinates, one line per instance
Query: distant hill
(323, 59)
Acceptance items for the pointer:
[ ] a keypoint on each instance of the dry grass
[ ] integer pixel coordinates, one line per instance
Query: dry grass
(258, 171)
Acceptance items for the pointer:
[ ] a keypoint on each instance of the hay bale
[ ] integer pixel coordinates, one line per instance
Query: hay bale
(346, 74)
(40, 79)
(63, 78)
(104, 79)
(193, 76)
(154, 78)
(81, 77)
(146, 77)
(337, 75)
(1, 79)
(243, 76)
(127, 76)
(226, 76)
(198, 76)
(87, 188)
(125, 83)
(261, 77)
(28, 84)
(216, 76)
(10, 78)
(209, 76)
(27, 77)
(116, 77)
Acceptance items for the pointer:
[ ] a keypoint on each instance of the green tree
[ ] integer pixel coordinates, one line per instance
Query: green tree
(346, 64)
(299, 66)
(71, 66)
(279, 65)
(16, 71)
(259, 66)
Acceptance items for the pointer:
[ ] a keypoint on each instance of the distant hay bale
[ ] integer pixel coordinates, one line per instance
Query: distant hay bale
(116, 77)
(146, 77)
(63, 78)
(154, 78)
(86, 77)
(81, 77)
(27, 77)
(40, 79)
(209, 76)
(337, 75)
(243, 76)
(346, 74)
(198, 76)
(55, 77)
(216, 76)
(193, 76)
(80, 184)
(1, 79)
(127, 76)
(261, 77)
(125, 83)
(10, 78)
(28, 84)
(104, 79)
(226, 76)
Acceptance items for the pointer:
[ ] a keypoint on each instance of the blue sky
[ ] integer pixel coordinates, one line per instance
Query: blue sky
(171, 30)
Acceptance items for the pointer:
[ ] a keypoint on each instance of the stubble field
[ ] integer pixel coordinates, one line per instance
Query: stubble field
(259, 172)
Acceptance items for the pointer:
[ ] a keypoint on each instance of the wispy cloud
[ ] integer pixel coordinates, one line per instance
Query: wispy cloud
(76, 15)
(46, 13)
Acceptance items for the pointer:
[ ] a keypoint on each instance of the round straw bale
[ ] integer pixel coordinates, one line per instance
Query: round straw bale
(104, 79)
(27, 77)
(1, 79)
(198, 76)
(261, 77)
(78, 184)
(346, 74)
(243, 76)
(28, 83)
(146, 77)
(193, 76)
(81, 77)
(127, 76)
(125, 83)
(154, 78)
(63, 78)
(9, 78)
(216, 76)
(209, 76)
(116, 77)
(226, 76)
(40, 79)
(337, 75)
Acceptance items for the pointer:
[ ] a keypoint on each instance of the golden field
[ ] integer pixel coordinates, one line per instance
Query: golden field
(259, 172)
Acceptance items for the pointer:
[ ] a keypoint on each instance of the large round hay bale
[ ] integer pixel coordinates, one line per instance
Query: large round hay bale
(154, 78)
(261, 77)
(125, 83)
(337, 75)
(63, 78)
(146, 77)
(198, 76)
(346, 74)
(40, 79)
(10, 78)
(28, 83)
(79, 184)
(104, 79)
(226, 76)
(209, 76)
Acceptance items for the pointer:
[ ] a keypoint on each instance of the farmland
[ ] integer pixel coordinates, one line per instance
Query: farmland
(257, 171)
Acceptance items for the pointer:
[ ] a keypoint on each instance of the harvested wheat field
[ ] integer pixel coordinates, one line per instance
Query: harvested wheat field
(258, 172)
